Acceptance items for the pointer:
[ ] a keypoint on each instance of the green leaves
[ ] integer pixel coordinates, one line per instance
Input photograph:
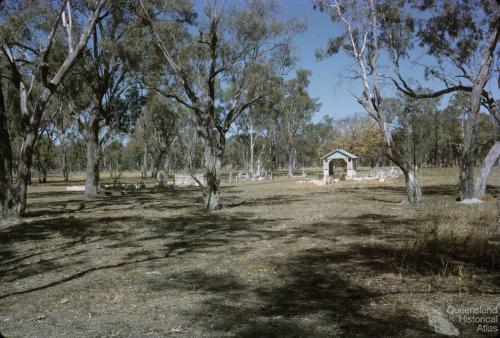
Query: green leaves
(454, 29)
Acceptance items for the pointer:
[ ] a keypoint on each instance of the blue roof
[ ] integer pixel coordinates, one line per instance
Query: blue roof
(343, 154)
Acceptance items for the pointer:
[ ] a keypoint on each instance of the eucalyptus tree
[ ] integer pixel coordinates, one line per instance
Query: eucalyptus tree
(162, 122)
(64, 126)
(361, 40)
(45, 152)
(411, 122)
(254, 129)
(45, 149)
(297, 108)
(250, 132)
(258, 129)
(448, 131)
(103, 79)
(29, 31)
(462, 38)
(316, 138)
(76, 152)
(113, 153)
(489, 161)
(212, 71)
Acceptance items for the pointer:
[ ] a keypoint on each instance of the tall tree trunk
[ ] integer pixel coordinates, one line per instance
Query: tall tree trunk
(44, 174)
(166, 166)
(466, 174)
(290, 160)
(65, 165)
(24, 166)
(156, 163)
(145, 162)
(92, 168)
(252, 147)
(273, 150)
(435, 143)
(468, 155)
(154, 167)
(414, 146)
(26, 153)
(489, 162)
(6, 182)
(213, 159)
(39, 174)
(412, 187)
(413, 190)
(214, 151)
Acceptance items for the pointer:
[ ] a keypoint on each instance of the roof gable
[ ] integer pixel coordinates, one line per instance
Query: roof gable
(339, 153)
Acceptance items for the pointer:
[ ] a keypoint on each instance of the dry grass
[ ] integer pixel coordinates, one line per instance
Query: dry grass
(458, 236)
(278, 260)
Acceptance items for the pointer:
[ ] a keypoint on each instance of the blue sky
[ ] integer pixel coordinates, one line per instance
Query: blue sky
(336, 101)
(326, 85)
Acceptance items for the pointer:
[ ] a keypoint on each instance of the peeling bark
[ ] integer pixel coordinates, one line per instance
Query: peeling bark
(213, 161)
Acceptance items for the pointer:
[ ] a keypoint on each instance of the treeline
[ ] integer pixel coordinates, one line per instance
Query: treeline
(162, 85)
(428, 135)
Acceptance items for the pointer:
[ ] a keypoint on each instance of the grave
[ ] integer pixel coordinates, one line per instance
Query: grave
(186, 179)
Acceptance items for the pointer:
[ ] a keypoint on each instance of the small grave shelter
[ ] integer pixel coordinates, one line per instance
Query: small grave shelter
(338, 154)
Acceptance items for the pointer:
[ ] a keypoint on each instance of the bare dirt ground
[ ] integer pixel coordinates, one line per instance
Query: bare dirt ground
(279, 260)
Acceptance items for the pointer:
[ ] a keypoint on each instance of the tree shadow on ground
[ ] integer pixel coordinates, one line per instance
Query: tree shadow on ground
(427, 190)
(416, 251)
(73, 233)
(318, 295)
(442, 189)
(368, 225)
(142, 238)
(317, 292)
(56, 203)
(75, 228)
(264, 201)
(311, 299)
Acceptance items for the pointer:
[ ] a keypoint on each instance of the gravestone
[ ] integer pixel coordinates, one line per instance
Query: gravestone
(185, 179)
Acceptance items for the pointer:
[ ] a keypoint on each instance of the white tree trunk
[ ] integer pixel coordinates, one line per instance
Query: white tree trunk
(412, 187)
(489, 162)
(290, 160)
